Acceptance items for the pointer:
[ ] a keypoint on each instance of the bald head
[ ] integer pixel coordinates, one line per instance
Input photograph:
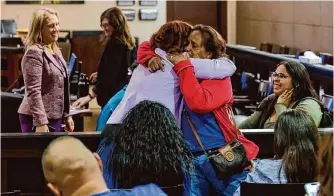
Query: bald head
(67, 160)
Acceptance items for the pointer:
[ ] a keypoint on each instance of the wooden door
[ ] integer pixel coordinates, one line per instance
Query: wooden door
(213, 13)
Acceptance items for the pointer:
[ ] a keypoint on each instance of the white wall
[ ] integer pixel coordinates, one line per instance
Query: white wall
(85, 16)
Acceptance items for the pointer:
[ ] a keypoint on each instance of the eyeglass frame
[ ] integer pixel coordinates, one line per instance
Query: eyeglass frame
(104, 26)
(279, 75)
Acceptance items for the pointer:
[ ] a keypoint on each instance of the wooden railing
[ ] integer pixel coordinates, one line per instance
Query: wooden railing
(21, 153)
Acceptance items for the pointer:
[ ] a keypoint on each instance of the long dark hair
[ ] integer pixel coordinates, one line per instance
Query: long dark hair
(300, 80)
(149, 148)
(295, 141)
(121, 28)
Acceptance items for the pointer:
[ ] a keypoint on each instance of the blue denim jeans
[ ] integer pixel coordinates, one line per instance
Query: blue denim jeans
(203, 180)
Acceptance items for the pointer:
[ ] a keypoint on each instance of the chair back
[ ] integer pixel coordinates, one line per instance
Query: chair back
(259, 189)
(264, 90)
(326, 58)
(267, 47)
(275, 49)
(284, 49)
(8, 28)
(246, 78)
(10, 104)
(327, 101)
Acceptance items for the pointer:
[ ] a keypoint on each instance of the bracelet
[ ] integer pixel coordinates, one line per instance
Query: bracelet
(90, 96)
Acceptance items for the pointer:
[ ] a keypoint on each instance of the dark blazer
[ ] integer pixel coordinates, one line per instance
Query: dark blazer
(44, 79)
(112, 71)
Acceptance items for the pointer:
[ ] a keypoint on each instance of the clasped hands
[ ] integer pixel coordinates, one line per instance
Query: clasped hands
(155, 63)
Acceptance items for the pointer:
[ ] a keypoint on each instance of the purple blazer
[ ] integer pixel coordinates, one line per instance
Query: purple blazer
(44, 78)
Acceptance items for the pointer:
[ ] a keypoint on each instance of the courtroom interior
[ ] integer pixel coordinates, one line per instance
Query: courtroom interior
(161, 97)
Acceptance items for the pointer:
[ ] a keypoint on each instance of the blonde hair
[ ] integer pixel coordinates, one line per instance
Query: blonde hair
(35, 31)
(121, 31)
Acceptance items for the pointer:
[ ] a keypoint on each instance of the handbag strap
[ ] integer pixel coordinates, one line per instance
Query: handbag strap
(231, 118)
(195, 132)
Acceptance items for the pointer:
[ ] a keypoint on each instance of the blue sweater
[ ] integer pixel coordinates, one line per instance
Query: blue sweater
(108, 109)
(207, 129)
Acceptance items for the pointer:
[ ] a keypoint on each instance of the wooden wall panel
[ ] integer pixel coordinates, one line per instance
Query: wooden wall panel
(86, 46)
(212, 13)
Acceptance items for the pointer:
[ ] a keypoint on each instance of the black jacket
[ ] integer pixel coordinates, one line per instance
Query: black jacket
(112, 70)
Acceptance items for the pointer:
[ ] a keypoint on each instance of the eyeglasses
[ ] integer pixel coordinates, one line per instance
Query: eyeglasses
(279, 75)
(104, 26)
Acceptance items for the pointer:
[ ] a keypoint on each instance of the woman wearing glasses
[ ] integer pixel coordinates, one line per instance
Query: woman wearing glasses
(115, 60)
(292, 85)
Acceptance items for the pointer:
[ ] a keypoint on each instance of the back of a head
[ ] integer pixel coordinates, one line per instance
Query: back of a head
(325, 164)
(149, 148)
(212, 40)
(295, 141)
(171, 37)
(66, 161)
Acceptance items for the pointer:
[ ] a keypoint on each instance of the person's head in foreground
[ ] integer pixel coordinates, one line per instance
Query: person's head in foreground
(149, 148)
(292, 75)
(325, 165)
(295, 142)
(72, 169)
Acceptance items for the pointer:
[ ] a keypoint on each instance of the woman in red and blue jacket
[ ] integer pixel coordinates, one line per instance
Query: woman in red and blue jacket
(208, 103)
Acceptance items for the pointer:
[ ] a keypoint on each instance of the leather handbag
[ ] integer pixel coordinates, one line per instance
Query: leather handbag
(227, 160)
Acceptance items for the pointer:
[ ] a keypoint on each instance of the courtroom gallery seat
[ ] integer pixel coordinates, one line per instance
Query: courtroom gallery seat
(259, 189)
(10, 103)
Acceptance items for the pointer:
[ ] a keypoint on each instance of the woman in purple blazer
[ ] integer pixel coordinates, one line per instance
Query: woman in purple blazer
(46, 101)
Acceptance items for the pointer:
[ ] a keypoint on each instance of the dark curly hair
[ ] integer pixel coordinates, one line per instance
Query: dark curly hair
(172, 37)
(213, 41)
(300, 80)
(149, 148)
(295, 142)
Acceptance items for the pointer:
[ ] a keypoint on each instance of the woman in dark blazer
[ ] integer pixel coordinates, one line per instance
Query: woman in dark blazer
(115, 60)
(46, 100)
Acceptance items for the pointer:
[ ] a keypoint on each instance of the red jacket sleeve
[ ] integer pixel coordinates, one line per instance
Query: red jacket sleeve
(202, 97)
(144, 53)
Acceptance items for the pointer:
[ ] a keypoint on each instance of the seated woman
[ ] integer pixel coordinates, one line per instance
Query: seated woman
(208, 112)
(148, 148)
(163, 86)
(292, 89)
(295, 147)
